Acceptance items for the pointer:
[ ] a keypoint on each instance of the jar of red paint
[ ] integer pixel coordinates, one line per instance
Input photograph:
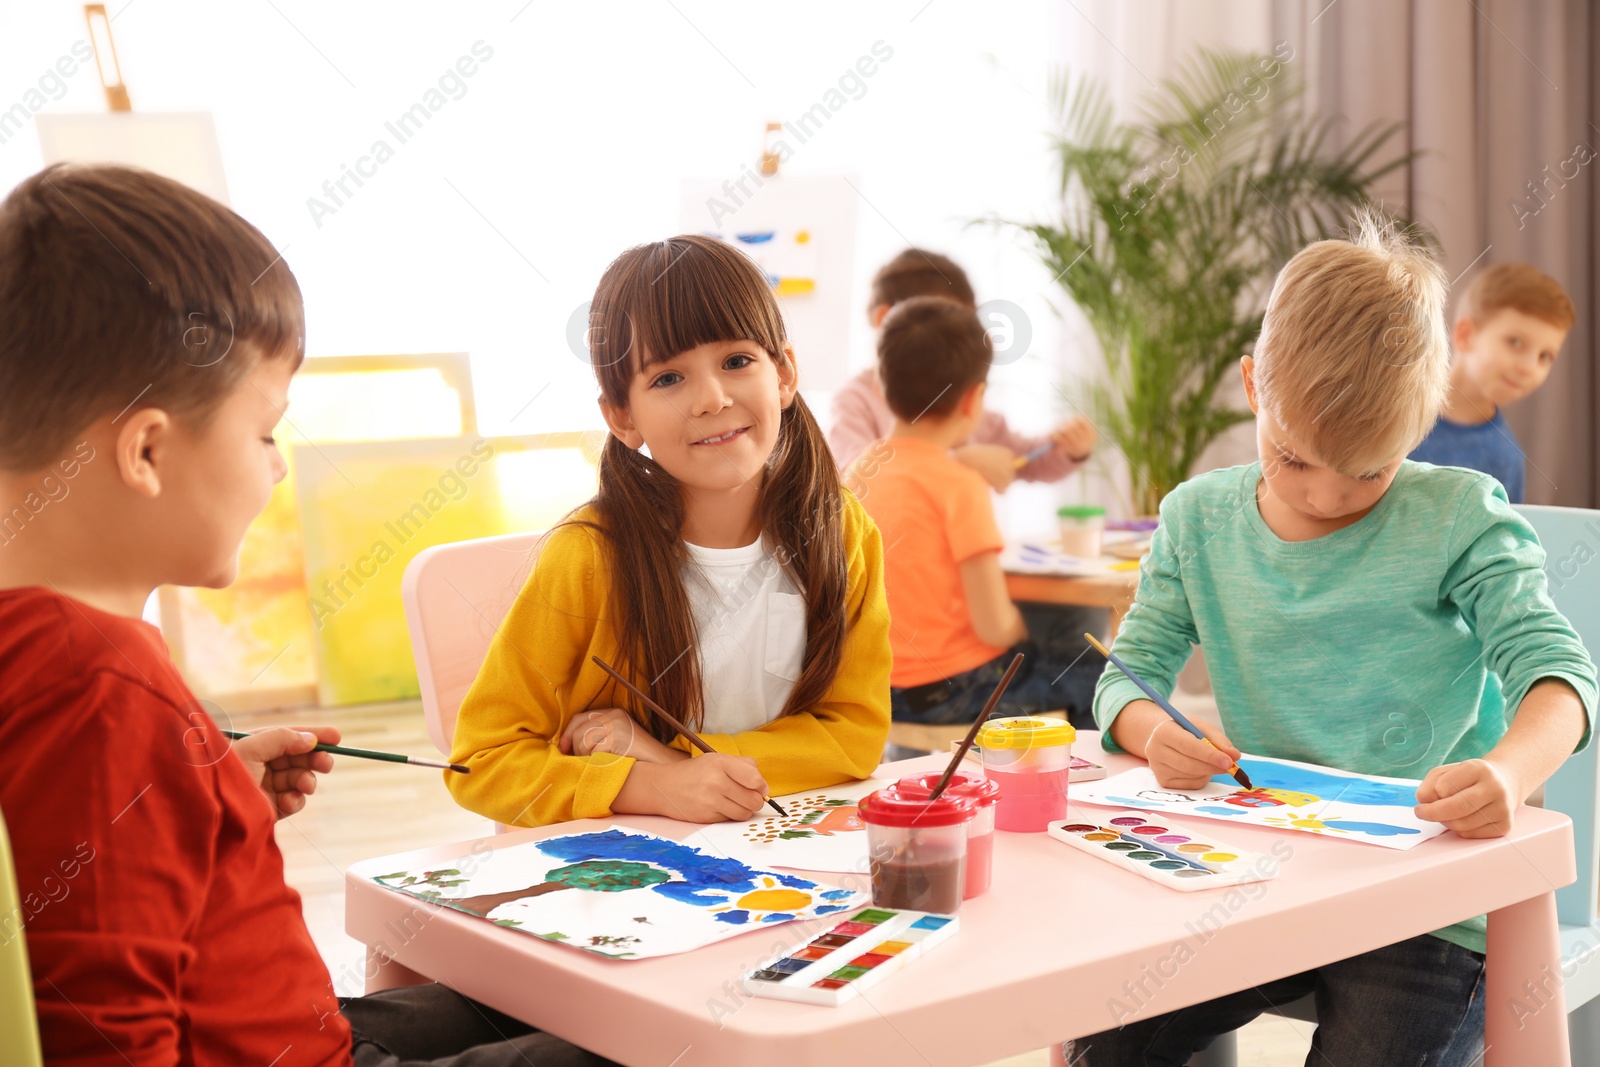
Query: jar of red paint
(980, 831)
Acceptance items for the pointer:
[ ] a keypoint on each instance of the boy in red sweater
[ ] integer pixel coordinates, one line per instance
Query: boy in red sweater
(147, 339)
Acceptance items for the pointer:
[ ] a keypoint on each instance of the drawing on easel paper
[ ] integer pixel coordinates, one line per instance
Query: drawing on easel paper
(822, 832)
(1288, 796)
(619, 893)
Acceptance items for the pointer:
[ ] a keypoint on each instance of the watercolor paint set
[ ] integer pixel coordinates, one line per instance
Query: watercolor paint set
(1149, 845)
(855, 955)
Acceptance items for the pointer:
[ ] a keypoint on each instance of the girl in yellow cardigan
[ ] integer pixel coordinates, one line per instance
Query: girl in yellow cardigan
(726, 573)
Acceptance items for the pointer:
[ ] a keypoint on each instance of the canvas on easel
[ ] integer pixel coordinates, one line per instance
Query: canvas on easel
(179, 145)
(800, 230)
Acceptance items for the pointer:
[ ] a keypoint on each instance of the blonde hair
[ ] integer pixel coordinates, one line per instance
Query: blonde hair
(1354, 357)
(1520, 287)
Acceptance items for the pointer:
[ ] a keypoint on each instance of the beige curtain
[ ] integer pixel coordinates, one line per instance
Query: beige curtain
(1501, 103)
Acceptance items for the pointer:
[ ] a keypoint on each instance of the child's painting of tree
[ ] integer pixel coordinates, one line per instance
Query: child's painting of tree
(636, 895)
(601, 876)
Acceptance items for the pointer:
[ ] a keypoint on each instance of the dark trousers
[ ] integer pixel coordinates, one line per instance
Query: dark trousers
(434, 1026)
(1416, 1002)
(1058, 673)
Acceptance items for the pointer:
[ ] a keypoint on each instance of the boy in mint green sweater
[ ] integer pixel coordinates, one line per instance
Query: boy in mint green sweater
(1359, 611)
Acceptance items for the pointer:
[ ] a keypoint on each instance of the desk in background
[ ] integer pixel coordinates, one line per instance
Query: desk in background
(1112, 588)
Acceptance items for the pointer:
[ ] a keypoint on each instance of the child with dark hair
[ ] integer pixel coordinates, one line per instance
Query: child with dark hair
(861, 415)
(955, 626)
(725, 571)
(147, 339)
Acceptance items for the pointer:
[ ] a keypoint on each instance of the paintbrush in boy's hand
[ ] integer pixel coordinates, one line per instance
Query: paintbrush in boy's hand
(977, 724)
(694, 739)
(367, 753)
(1161, 702)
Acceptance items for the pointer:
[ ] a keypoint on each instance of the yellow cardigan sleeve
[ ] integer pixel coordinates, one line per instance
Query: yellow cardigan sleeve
(536, 676)
(841, 738)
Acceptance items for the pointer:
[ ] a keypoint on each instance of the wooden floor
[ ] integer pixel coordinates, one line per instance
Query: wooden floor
(366, 809)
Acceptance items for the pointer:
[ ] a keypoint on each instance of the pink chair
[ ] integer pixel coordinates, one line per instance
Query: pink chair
(455, 597)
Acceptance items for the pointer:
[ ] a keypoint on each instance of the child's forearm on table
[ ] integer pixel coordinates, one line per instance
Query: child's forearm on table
(1548, 725)
(641, 793)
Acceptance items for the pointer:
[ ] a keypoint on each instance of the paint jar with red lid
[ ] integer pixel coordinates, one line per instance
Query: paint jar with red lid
(980, 831)
(917, 849)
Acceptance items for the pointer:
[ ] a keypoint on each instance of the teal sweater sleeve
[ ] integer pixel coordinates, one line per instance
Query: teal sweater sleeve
(1392, 646)
(1496, 579)
(1400, 643)
(1157, 634)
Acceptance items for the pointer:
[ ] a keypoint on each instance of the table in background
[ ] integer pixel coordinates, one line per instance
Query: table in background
(1062, 946)
(1113, 590)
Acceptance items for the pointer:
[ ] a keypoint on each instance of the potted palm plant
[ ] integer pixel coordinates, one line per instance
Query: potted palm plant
(1171, 229)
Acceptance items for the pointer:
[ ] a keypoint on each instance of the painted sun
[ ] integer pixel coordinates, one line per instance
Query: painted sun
(771, 901)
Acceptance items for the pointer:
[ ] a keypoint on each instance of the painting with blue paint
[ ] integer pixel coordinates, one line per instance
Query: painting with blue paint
(618, 892)
(1288, 795)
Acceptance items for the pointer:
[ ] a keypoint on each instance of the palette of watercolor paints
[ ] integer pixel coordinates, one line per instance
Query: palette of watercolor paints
(854, 956)
(1144, 843)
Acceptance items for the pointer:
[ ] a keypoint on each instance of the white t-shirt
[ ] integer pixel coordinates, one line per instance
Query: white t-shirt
(751, 621)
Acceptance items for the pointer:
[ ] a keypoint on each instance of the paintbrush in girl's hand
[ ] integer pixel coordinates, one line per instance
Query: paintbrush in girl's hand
(977, 724)
(367, 753)
(694, 739)
(1161, 702)
(1037, 453)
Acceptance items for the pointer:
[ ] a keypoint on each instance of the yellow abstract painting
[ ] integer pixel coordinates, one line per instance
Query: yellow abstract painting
(253, 644)
(366, 509)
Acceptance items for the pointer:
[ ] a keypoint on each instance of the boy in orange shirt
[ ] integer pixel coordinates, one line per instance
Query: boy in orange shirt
(149, 336)
(953, 625)
(993, 449)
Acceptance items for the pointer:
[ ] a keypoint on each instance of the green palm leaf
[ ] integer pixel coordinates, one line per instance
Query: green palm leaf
(1171, 228)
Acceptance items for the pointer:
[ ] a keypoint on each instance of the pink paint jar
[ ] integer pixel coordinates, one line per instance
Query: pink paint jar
(1029, 757)
(980, 831)
(917, 849)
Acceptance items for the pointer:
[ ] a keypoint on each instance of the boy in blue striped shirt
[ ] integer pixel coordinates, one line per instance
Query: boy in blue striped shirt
(1359, 611)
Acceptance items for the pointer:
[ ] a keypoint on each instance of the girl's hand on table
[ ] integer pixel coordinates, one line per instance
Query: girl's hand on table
(708, 788)
(615, 731)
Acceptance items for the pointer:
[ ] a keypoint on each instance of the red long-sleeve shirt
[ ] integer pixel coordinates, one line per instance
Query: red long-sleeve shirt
(158, 924)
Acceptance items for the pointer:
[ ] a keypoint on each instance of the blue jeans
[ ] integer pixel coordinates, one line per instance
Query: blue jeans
(1058, 674)
(1419, 1002)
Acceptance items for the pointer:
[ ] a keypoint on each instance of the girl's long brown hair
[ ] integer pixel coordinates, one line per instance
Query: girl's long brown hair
(653, 303)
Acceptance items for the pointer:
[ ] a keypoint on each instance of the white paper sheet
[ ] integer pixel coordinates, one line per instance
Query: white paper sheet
(1288, 796)
(620, 893)
(823, 832)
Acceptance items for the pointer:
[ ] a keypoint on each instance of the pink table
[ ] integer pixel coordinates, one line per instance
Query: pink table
(1062, 946)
